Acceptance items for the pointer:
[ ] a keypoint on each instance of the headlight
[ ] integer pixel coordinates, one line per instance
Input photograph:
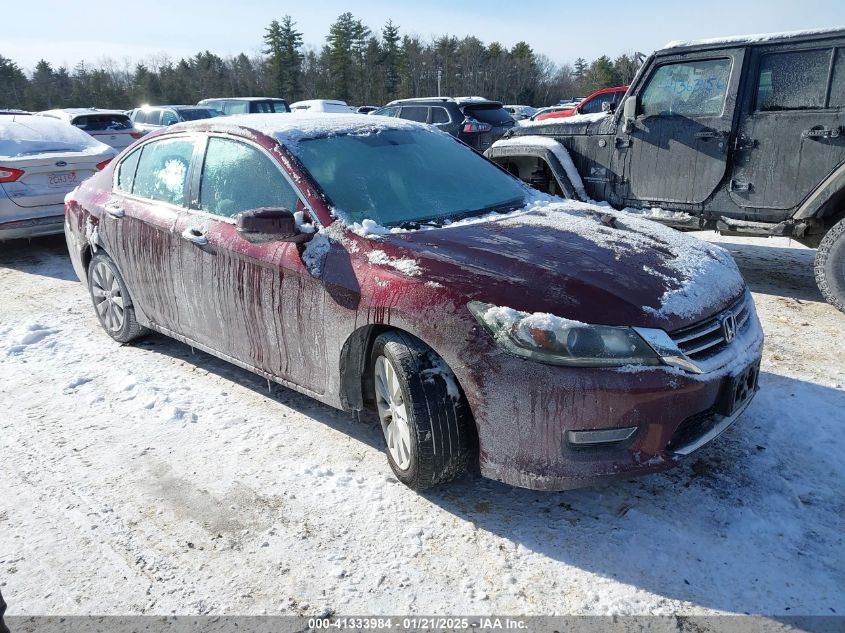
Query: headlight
(549, 339)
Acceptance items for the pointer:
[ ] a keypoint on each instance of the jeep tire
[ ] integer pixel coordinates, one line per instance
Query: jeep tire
(830, 266)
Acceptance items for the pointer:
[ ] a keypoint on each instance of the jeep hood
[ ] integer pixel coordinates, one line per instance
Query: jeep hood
(577, 261)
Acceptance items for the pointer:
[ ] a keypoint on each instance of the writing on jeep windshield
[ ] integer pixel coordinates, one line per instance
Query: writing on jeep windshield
(695, 88)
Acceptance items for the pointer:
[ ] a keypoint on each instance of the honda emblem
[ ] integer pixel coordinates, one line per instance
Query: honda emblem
(729, 327)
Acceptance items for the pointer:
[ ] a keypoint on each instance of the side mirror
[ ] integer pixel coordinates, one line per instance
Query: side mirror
(629, 112)
(269, 225)
(608, 106)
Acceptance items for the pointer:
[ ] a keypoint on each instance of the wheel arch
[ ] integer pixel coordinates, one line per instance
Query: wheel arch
(506, 155)
(355, 365)
(827, 202)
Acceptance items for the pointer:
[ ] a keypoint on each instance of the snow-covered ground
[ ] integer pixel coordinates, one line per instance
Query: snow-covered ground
(151, 479)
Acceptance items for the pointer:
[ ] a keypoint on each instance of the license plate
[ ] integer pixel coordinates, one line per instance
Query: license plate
(740, 389)
(61, 179)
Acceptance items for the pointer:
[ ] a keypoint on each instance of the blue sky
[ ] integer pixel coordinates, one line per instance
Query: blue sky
(64, 33)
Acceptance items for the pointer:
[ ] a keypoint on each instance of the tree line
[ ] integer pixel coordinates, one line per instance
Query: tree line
(356, 64)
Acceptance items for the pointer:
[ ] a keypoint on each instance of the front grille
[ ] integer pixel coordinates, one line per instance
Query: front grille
(707, 337)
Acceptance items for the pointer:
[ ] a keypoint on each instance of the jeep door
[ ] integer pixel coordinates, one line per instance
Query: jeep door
(791, 127)
(677, 148)
(253, 302)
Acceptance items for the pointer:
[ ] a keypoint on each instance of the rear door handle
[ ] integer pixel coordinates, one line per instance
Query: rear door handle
(115, 211)
(195, 235)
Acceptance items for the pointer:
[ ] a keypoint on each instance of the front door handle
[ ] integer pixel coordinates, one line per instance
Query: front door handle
(821, 132)
(195, 235)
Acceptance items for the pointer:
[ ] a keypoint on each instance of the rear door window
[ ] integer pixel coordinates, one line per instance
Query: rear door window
(494, 115)
(162, 172)
(693, 88)
(126, 171)
(439, 115)
(236, 107)
(414, 113)
(795, 80)
(237, 177)
(168, 117)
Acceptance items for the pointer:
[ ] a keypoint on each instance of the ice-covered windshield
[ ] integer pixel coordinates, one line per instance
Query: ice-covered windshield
(406, 176)
(30, 135)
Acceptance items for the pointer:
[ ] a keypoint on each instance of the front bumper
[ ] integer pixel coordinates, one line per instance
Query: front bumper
(524, 410)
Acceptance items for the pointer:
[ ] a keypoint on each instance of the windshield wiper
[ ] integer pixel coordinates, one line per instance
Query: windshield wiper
(504, 207)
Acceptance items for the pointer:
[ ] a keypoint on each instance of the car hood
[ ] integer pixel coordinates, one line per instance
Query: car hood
(574, 260)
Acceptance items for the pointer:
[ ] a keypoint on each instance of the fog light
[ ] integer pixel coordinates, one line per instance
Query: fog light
(600, 436)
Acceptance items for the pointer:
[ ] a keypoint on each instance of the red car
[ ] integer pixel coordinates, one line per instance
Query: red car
(591, 105)
(380, 264)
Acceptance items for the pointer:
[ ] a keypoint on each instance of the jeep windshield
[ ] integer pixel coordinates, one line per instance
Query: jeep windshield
(406, 177)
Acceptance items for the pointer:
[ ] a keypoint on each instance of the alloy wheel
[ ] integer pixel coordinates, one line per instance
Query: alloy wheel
(393, 413)
(108, 299)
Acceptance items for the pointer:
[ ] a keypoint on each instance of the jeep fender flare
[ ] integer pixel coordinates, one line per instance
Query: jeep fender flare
(816, 204)
(539, 149)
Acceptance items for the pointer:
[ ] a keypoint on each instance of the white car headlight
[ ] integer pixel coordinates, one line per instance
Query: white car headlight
(549, 339)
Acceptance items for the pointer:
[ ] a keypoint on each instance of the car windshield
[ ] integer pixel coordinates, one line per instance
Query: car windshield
(492, 114)
(406, 177)
(193, 114)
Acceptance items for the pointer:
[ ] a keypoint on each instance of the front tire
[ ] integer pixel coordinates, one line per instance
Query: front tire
(111, 300)
(424, 416)
(830, 266)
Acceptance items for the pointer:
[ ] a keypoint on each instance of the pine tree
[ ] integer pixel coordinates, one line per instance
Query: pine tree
(13, 84)
(391, 60)
(285, 58)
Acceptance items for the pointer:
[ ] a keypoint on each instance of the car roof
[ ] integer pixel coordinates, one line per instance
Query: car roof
(461, 101)
(760, 38)
(290, 127)
(316, 101)
(202, 102)
(174, 107)
(77, 111)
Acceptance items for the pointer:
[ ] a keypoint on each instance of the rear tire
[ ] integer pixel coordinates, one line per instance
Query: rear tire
(111, 300)
(830, 266)
(424, 416)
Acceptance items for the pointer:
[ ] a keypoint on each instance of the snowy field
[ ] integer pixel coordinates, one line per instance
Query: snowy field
(151, 479)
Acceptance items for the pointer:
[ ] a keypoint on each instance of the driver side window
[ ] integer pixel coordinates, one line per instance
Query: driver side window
(237, 177)
(691, 89)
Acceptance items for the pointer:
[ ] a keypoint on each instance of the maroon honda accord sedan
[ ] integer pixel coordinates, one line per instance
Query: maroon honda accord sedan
(383, 265)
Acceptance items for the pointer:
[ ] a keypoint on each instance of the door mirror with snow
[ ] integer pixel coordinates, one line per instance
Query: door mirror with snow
(269, 225)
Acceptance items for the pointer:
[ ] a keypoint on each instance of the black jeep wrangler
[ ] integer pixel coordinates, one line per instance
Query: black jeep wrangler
(744, 136)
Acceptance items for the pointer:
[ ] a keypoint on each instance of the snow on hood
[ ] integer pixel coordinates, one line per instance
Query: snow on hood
(697, 274)
(691, 276)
